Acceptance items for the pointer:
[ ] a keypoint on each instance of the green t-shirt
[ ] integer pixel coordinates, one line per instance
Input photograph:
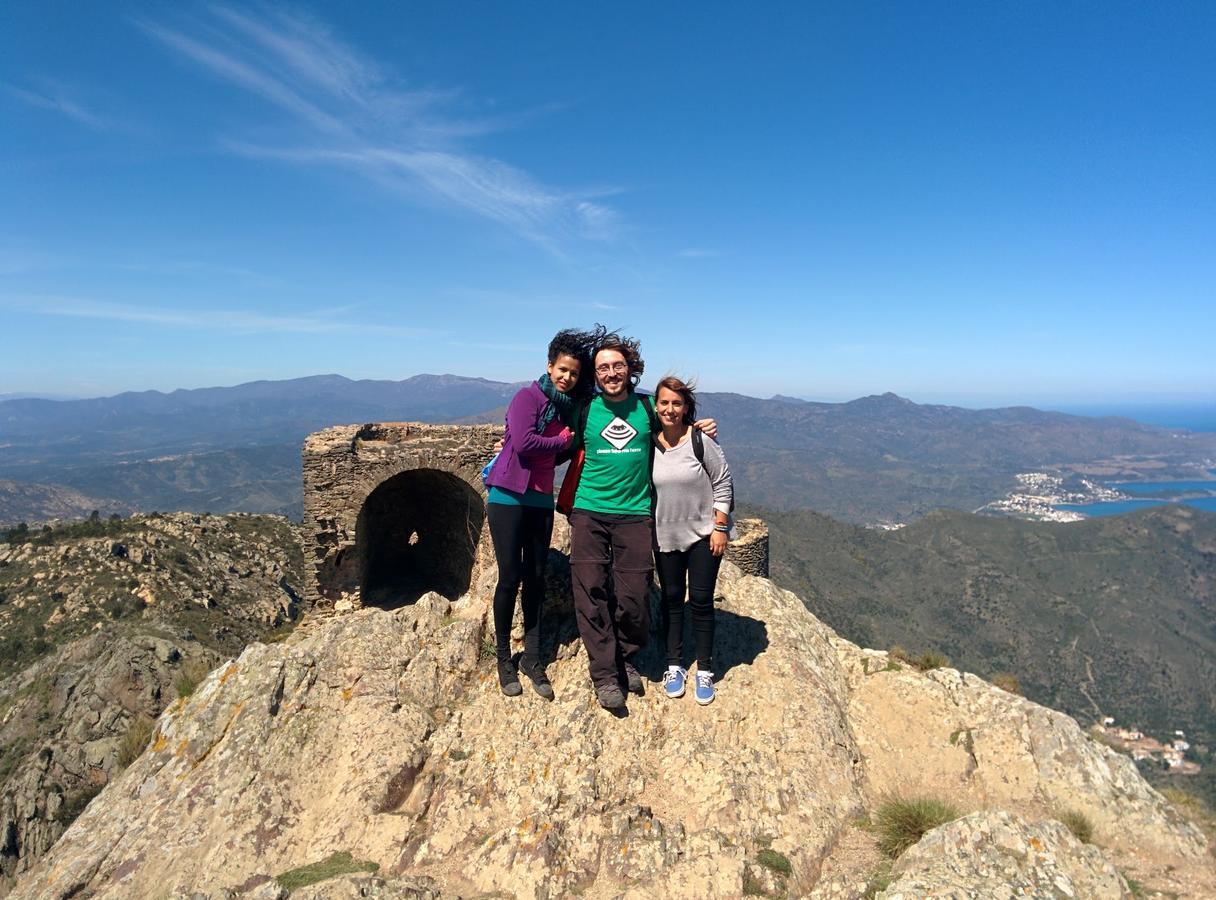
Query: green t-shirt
(616, 475)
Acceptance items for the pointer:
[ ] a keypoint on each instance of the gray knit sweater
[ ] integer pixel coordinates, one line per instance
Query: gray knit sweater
(688, 494)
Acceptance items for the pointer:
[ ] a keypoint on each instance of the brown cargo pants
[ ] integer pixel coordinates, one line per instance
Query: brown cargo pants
(611, 566)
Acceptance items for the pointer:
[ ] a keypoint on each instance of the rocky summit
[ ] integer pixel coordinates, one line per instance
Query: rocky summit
(372, 755)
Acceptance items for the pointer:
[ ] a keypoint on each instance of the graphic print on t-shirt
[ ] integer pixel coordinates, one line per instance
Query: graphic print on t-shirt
(619, 433)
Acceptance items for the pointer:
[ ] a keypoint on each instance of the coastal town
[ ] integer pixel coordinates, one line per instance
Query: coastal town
(1138, 745)
(1039, 493)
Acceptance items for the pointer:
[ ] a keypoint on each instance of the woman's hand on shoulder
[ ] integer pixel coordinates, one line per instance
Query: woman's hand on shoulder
(708, 427)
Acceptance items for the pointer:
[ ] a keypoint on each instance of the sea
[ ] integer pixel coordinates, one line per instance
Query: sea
(1148, 493)
(1198, 416)
(1192, 417)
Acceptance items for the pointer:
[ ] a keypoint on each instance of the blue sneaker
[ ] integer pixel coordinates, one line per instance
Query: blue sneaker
(673, 682)
(704, 691)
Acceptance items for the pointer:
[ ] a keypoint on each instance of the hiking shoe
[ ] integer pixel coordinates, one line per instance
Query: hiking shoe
(508, 680)
(704, 691)
(634, 680)
(610, 696)
(536, 674)
(673, 682)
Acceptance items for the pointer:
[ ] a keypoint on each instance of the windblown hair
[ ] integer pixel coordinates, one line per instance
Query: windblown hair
(685, 389)
(572, 342)
(603, 339)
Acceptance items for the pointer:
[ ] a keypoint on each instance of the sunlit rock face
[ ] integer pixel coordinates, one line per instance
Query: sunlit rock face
(383, 734)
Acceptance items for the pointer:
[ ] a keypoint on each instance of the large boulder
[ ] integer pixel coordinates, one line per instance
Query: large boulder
(1002, 856)
(951, 734)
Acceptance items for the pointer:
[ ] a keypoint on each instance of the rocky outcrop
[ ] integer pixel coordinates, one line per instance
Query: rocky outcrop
(64, 725)
(102, 625)
(951, 734)
(1002, 856)
(383, 734)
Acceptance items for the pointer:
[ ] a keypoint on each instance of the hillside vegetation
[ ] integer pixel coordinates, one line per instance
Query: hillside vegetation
(1114, 616)
(103, 623)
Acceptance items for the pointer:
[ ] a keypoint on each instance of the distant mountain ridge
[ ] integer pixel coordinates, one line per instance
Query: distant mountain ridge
(881, 458)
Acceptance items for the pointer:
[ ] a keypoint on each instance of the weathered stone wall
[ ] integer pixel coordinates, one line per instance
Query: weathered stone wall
(393, 510)
(749, 549)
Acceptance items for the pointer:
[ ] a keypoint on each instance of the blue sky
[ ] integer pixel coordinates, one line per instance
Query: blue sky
(973, 203)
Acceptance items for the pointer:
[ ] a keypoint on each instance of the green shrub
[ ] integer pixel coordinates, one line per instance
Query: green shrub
(192, 672)
(774, 861)
(1007, 681)
(931, 659)
(1136, 888)
(1078, 823)
(337, 864)
(902, 821)
(752, 887)
(139, 732)
(880, 879)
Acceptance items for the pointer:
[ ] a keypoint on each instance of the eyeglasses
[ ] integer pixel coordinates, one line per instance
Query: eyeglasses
(605, 368)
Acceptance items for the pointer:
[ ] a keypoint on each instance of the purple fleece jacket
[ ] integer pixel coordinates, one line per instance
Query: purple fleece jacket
(527, 458)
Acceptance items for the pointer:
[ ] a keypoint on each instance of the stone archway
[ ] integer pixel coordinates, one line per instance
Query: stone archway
(418, 531)
(397, 508)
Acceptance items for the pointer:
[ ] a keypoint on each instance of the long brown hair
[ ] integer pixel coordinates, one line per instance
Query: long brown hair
(685, 390)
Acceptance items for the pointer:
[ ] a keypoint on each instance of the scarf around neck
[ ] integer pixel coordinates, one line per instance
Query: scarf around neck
(559, 404)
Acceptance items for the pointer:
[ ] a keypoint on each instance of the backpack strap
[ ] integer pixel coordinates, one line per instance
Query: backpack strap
(698, 447)
(655, 427)
(580, 425)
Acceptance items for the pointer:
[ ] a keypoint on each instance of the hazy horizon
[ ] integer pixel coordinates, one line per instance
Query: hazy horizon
(1174, 412)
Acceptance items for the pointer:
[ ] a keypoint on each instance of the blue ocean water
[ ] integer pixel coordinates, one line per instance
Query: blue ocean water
(1115, 507)
(1147, 494)
(1191, 416)
(1154, 488)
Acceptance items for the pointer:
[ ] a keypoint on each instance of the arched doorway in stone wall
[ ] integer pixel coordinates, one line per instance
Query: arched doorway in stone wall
(418, 532)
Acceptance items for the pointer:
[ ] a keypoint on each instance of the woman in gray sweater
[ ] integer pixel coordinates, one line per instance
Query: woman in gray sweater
(694, 498)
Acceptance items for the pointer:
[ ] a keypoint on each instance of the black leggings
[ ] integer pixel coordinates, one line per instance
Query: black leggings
(521, 546)
(699, 567)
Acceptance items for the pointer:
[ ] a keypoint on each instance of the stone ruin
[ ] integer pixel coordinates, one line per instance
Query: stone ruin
(396, 509)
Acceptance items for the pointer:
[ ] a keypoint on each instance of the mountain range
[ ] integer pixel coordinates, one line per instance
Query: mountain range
(875, 459)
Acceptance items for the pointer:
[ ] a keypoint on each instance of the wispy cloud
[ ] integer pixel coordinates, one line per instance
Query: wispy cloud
(354, 113)
(241, 321)
(54, 98)
(698, 253)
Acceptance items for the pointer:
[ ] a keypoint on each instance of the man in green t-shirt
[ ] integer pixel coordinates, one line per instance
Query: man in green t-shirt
(611, 526)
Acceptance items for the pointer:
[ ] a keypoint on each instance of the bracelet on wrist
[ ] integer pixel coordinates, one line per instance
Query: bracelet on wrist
(722, 528)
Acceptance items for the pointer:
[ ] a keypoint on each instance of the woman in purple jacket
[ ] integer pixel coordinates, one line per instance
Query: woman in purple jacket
(520, 501)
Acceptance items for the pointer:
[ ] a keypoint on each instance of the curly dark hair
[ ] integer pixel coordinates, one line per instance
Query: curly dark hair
(572, 342)
(603, 339)
(686, 390)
